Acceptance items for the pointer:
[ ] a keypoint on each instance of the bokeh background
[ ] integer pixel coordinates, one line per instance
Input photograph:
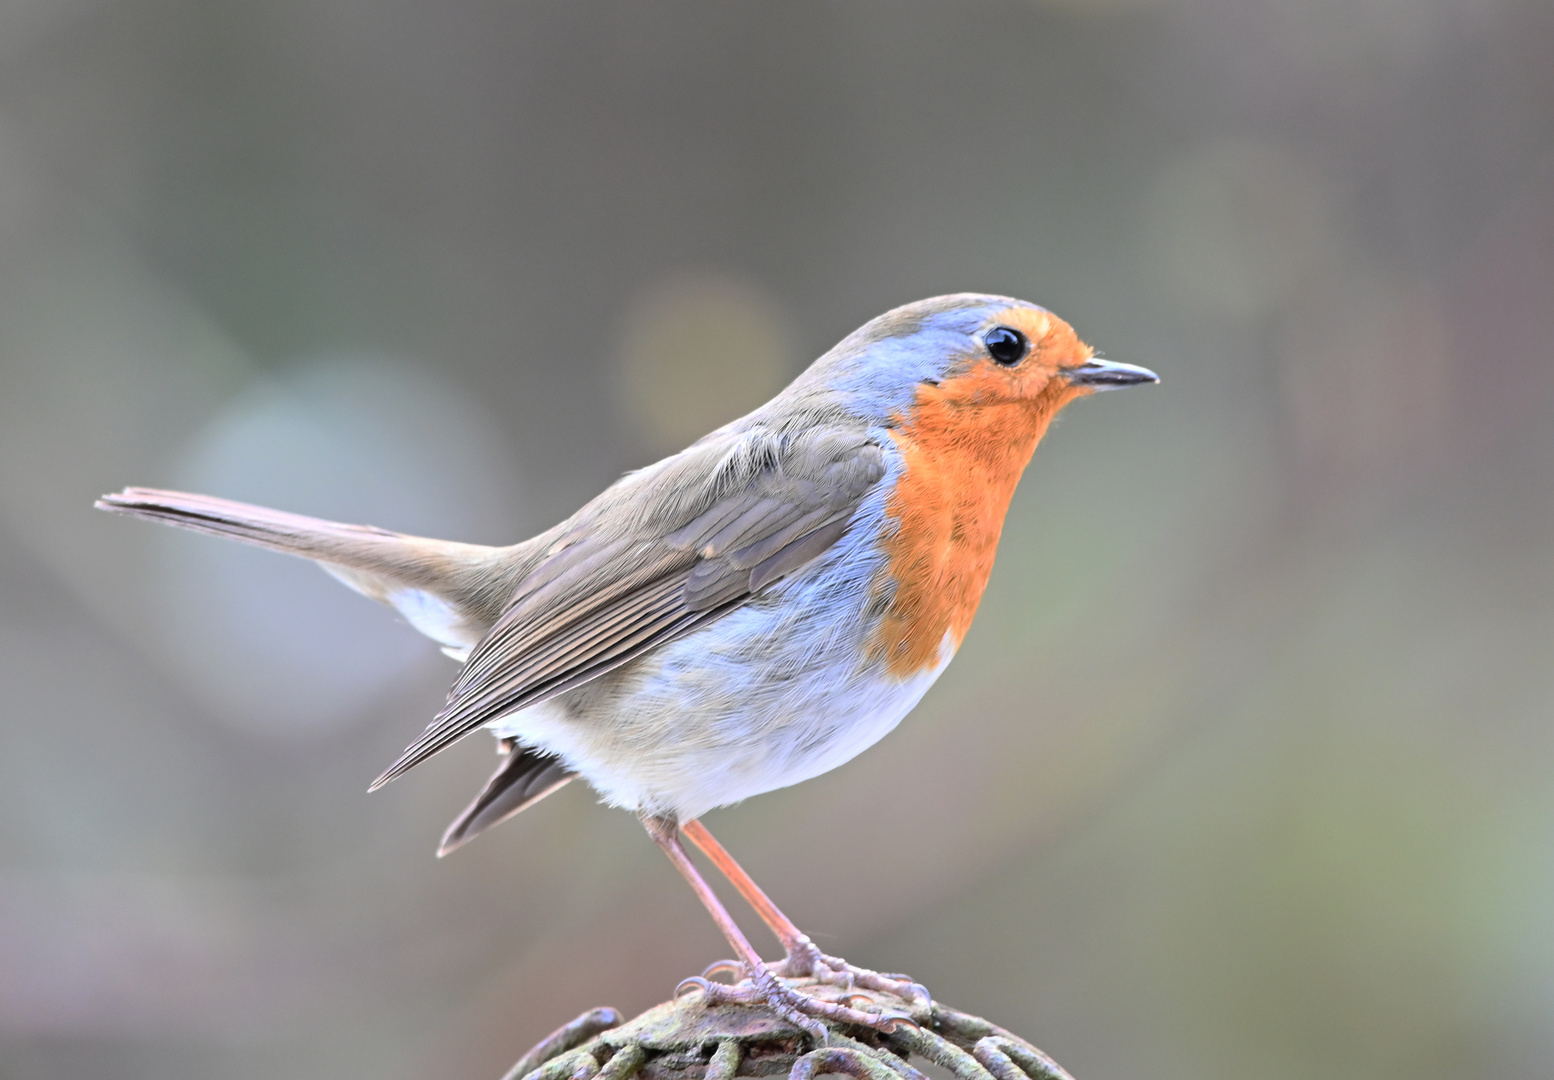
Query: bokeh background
(1247, 768)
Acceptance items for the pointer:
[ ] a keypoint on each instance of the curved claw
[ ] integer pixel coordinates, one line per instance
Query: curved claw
(840, 973)
(732, 967)
(696, 982)
(914, 994)
(903, 987)
(814, 1028)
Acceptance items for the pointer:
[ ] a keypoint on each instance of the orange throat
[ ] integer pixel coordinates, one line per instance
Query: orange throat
(961, 461)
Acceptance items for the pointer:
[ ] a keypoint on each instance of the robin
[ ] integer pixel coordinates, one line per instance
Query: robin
(746, 614)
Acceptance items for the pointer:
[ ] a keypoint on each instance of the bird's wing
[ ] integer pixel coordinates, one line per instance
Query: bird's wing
(662, 552)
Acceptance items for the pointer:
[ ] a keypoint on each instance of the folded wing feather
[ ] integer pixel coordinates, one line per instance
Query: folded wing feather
(661, 553)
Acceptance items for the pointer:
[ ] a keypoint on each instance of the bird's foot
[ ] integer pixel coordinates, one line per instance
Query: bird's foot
(763, 988)
(806, 961)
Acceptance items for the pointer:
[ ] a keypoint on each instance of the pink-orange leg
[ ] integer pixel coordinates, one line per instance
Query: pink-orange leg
(765, 987)
(794, 941)
(803, 958)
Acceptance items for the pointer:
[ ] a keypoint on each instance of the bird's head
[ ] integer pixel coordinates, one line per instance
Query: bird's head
(965, 354)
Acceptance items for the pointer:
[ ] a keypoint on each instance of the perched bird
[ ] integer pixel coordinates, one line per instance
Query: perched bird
(746, 614)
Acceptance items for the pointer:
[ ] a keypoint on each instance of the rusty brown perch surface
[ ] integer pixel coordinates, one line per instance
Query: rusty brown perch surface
(690, 1039)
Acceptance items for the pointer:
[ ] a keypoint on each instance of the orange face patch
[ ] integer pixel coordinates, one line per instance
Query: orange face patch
(964, 445)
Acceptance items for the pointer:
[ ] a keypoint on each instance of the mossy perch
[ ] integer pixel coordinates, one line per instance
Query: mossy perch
(691, 1039)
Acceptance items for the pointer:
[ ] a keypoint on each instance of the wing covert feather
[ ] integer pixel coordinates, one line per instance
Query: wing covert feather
(662, 552)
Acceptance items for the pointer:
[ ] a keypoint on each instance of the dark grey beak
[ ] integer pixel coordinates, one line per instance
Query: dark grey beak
(1109, 374)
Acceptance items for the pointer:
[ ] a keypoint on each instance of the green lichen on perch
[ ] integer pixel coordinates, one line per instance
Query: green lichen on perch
(691, 1039)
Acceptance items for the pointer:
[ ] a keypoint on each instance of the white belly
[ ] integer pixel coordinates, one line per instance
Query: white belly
(773, 693)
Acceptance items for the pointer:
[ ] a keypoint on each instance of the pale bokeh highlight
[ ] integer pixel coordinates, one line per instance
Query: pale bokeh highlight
(699, 350)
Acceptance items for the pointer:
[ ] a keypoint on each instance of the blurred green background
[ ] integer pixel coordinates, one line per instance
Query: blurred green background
(1245, 769)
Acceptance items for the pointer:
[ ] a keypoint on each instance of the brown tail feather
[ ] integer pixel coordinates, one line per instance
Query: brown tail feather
(313, 538)
(471, 580)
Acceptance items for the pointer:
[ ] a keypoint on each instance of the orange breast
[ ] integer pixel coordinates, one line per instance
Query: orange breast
(963, 457)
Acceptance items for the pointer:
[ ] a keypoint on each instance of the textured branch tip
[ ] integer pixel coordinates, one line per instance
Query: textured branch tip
(696, 1037)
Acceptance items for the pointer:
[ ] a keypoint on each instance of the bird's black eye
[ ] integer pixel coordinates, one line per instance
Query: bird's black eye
(1008, 347)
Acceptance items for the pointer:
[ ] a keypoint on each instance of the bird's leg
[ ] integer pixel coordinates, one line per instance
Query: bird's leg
(764, 987)
(802, 954)
(803, 957)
